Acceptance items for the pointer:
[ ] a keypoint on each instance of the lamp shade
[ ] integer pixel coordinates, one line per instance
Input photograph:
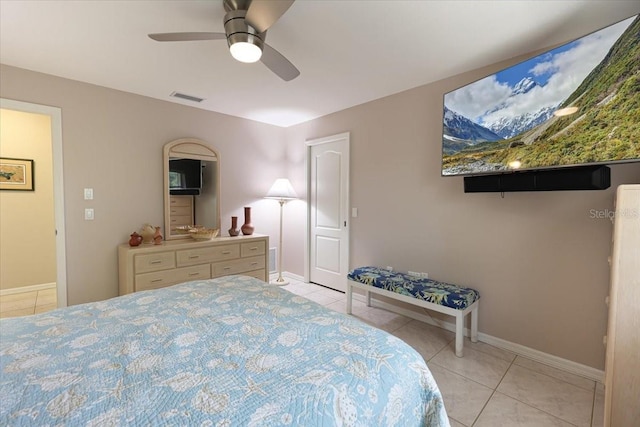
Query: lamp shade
(281, 190)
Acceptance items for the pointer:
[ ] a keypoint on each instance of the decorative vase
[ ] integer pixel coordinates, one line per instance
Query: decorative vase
(234, 230)
(247, 227)
(147, 232)
(135, 239)
(157, 237)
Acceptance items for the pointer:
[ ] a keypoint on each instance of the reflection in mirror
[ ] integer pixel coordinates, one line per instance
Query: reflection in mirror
(191, 186)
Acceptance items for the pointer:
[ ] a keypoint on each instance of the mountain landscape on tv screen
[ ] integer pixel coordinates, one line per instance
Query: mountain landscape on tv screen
(509, 117)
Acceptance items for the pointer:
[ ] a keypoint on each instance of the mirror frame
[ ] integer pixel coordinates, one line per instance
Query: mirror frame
(191, 148)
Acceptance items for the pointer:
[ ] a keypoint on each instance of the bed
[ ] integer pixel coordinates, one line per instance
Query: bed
(231, 351)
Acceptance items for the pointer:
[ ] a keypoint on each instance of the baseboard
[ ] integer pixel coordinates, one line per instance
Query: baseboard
(521, 350)
(290, 276)
(30, 288)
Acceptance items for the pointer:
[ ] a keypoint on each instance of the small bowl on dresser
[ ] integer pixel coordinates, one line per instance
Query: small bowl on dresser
(203, 233)
(186, 229)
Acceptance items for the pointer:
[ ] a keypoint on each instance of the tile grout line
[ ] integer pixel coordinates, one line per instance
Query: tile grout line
(493, 392)
(525, 403)
(557, 379)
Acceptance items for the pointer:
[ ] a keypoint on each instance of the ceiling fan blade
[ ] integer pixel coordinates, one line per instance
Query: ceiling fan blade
(278, 64)
(263, 13)
(185, 37)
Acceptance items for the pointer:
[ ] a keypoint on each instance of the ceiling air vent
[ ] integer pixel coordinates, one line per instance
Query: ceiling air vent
(187, 97)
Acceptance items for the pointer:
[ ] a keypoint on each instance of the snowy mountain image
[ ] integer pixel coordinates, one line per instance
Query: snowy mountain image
(508, 127)
(460, 133)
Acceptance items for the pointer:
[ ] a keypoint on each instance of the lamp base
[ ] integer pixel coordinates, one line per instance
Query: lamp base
(280, 281)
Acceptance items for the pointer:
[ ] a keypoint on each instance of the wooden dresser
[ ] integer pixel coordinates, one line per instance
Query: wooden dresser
(622, 367)
(156, 266)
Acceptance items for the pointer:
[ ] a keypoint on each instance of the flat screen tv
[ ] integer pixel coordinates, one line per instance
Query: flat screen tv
(577, 104)
(185, 176)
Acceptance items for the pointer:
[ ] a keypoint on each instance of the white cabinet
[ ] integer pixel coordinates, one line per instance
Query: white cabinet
(155, 266)
(622, 368)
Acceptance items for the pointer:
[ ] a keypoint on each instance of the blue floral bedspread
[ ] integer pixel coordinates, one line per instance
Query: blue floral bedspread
(232, 351)
(440, 293)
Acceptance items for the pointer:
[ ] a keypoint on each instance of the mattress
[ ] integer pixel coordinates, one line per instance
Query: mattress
(232, 351)
(440, 293)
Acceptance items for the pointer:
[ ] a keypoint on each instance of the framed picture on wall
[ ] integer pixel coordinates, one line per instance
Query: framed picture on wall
(16, 174)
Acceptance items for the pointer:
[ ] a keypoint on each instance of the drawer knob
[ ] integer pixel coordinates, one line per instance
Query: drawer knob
(194, 274)
(226, 252)
(156, 281)
(194, 256)
(227, 268)
(156, 261)
(254, 263)
(253, 248)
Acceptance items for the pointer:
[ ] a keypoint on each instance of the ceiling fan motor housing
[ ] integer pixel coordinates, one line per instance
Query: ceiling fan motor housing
(238, 30)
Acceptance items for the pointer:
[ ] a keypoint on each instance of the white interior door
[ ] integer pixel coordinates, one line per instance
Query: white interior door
(328, 165)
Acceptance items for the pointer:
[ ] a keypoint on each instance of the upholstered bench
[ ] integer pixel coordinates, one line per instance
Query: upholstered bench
(437, 296)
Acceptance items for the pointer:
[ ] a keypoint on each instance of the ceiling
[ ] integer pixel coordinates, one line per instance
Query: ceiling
(348, 51)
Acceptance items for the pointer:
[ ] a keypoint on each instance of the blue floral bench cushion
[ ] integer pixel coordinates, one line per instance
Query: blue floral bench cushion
(416, 287)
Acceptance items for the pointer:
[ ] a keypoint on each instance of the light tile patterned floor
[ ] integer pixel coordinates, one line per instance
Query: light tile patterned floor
(25, 303)
(488, 387)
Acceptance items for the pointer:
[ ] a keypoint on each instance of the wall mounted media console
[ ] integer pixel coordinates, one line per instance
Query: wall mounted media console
(573, 178)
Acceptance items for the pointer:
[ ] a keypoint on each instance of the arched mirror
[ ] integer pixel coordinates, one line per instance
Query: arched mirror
(191, 186)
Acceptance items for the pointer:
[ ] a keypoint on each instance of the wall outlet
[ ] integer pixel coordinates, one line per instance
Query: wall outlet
(413, 273)
(424, 275)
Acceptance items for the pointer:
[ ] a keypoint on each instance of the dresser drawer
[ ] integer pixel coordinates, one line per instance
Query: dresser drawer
(208, 254)
(176, 201)
(154, 262)
(180, 211)
(177, 220)
(161, 279)
(237, 266)
(252, 248)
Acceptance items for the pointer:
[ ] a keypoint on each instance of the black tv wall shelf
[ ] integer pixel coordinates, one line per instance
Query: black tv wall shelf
(573, 178)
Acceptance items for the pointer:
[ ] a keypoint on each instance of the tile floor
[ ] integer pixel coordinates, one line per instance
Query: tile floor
(25, 303)
(488, 387)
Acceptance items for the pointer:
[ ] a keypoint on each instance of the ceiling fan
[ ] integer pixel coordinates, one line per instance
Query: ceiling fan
(245, 24)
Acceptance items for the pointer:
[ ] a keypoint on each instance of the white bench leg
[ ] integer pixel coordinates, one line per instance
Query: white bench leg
(349, 297)
(459, 334)
(474, 324)
(368, 298)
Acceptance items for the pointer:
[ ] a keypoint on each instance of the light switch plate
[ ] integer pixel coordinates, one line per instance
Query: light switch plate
(88, 193)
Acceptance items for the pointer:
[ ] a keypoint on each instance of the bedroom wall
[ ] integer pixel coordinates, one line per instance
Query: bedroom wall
(27, 239)
(539, 260)
(112, 142)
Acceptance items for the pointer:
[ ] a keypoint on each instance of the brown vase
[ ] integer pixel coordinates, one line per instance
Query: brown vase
(234, 230)
(247, 227)
(157, 237)
(135, 239)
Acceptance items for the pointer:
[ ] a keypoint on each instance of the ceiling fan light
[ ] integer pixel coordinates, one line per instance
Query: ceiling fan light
(245, 52)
